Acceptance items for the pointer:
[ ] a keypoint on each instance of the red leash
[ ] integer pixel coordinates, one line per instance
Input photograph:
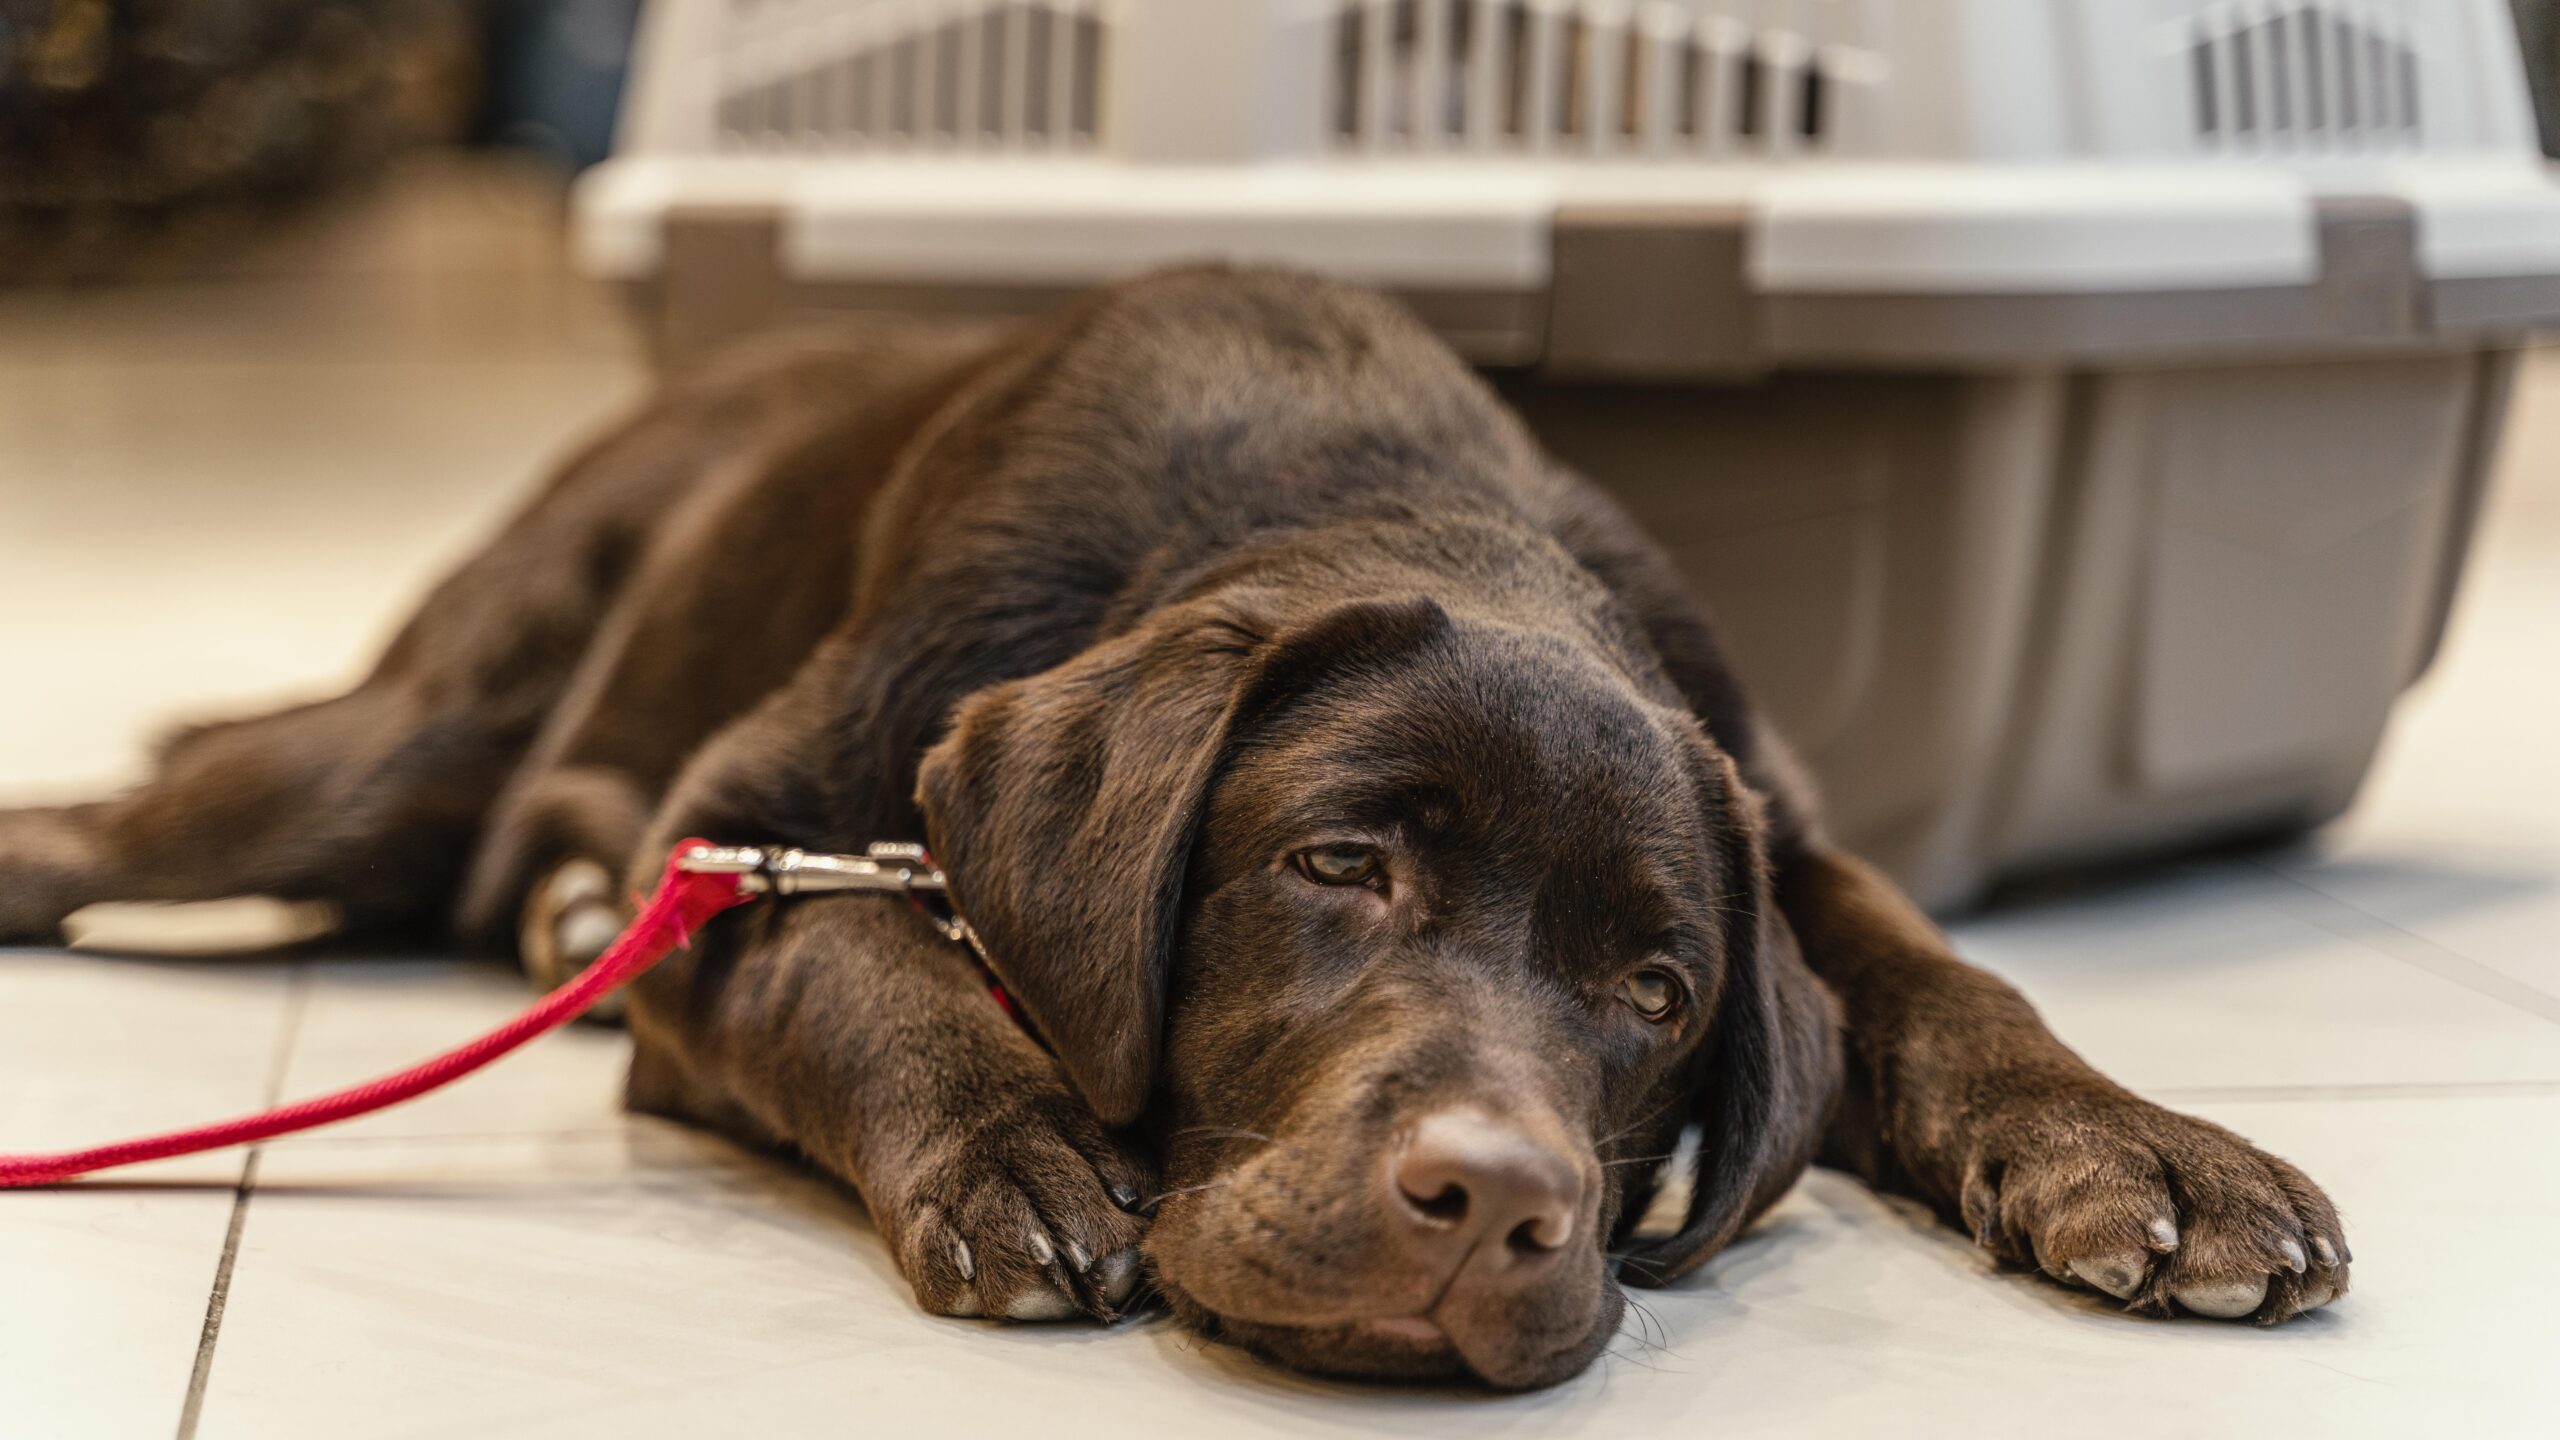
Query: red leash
(686, 898)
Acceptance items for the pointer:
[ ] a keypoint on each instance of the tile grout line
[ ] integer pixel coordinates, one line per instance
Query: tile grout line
(2376, 1090)
(220, 1297)
(297, 994)
(2383, 937)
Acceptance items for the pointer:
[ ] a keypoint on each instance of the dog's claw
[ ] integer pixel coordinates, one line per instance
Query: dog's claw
(2292, 1251)
(2318, 1290)
(2164, 1233)
(963, 1261)
(2321, 1247)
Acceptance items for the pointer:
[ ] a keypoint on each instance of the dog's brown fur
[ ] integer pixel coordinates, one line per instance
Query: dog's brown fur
(1121, 611)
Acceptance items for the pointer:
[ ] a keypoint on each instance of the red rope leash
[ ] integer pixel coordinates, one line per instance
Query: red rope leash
(685, 899)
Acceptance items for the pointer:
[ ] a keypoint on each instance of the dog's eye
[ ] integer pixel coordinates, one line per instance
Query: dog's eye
(1338, 864)
(1653, 992)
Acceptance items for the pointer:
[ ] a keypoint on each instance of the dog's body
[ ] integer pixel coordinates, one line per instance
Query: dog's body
(1356, 807)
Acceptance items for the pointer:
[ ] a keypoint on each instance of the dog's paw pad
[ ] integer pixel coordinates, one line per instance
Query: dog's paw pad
(2119, 1274)
(1043, 1304)
(569, 921)
(2221, 1299)
(1118, 1277)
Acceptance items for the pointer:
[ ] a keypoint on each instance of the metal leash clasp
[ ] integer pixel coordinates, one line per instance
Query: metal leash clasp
(887, 867)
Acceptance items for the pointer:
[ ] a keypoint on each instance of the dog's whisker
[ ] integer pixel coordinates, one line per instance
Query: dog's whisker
(1639, 1160)
(1232, 1132)
(1143, 1297)
(1629, 1257)
(1638, 1332)
(1636, 1124)
(1635, 1360)
(1655, 1334)
(1190, 1190)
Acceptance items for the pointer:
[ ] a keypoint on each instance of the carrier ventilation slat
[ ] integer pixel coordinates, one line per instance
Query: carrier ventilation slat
(1589, 77)
(2329, 75)
(1013, 77)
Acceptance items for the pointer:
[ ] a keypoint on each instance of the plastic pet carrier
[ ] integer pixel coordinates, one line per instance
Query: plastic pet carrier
(2075, 410)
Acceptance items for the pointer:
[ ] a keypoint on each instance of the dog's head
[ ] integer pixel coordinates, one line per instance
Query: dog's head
(1418, 939)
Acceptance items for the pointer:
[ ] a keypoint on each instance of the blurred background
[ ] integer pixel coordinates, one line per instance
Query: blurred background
(2079, 415)
(138, 137)
(144, 139)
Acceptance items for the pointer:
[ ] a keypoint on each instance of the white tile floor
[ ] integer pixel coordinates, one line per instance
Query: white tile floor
(218, 492)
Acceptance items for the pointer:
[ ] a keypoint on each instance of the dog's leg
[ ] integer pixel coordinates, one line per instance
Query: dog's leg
(375, 799)
(745, 576)
(742, 578)
(50, 865)
(371, 799)
(1959, 1095)
(848, 1029)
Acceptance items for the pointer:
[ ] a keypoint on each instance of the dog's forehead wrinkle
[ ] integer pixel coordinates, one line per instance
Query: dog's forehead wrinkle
(1506, 734)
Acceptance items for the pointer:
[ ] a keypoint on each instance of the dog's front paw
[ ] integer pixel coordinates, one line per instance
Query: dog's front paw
(2160, 1210)
(1029, 1213)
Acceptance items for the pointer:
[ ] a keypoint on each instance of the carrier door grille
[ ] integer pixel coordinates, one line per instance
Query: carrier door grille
(1589, 77)
(998, 76)
(2325, 75)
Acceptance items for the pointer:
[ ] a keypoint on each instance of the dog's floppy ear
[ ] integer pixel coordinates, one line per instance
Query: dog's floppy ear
(1063, 807)
(1767, 1072)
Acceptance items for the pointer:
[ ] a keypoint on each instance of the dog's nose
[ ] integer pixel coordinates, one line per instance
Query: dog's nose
(1466, 1177)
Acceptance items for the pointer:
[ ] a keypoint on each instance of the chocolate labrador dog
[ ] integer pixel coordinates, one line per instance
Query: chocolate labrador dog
(1385, 867)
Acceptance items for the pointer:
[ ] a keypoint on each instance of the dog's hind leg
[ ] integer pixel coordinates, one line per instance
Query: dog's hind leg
(49, 864)
(368, 800)
(374, 799)
(746, 573)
